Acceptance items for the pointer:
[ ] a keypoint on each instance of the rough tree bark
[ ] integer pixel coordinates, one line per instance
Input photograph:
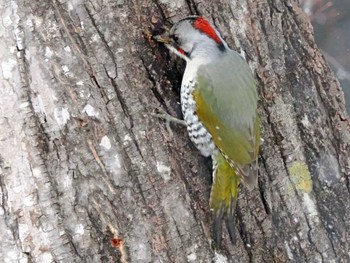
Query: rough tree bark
(87, 175)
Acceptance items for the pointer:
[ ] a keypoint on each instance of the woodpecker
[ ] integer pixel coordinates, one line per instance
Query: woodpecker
(219, 106)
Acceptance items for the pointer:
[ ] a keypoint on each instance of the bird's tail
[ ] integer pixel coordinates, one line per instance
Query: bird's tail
(223, 197)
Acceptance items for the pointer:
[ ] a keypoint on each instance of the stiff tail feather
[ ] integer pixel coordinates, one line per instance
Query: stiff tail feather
(223, 197)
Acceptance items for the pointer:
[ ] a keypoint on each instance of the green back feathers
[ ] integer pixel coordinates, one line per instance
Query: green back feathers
(226, 103)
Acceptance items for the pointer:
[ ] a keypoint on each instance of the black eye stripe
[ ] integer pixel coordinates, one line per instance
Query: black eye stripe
(175, 38)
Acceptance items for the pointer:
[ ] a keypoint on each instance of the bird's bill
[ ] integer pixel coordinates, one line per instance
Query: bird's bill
(162, 39)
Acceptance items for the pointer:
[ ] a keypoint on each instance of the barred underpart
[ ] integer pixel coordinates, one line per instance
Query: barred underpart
(199, 135)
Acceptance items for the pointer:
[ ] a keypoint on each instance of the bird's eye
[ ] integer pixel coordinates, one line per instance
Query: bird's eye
(175, 38)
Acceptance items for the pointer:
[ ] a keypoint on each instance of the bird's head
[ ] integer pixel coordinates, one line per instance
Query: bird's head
(193, 37)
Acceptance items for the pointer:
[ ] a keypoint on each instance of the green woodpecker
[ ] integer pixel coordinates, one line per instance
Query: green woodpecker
(219, 105)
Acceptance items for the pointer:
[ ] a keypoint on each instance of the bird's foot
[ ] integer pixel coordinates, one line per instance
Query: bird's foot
(168, 119)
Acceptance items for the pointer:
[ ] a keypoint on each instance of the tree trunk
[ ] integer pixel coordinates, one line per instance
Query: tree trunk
(88, 175)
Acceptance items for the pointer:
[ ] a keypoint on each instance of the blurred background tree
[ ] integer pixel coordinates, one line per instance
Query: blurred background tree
(331, 21)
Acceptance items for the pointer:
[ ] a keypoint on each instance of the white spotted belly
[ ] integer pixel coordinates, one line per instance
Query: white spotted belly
(199, 135)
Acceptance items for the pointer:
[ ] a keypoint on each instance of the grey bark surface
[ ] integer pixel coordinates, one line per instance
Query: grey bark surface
(88, 175)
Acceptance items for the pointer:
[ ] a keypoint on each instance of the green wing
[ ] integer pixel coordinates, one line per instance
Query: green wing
(226, 104)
